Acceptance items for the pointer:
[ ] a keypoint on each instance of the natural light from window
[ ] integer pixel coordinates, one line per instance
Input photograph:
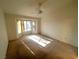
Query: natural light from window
(27, 25)
(39, 40)
(19, 27)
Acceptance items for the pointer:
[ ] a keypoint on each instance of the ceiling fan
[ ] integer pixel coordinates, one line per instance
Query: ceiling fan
(40, 5)
(39, 8)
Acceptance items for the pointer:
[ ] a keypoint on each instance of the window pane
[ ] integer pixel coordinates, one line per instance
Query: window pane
(27, 25)
(19, 26)
(33, 23)
(34, 26)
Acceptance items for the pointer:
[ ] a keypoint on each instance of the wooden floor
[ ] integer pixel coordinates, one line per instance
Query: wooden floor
(27, 49)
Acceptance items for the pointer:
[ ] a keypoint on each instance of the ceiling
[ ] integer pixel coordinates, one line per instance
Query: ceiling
(21, 7)
(26, 7)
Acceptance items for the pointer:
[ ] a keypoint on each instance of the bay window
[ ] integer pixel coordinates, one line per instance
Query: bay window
(26, 26)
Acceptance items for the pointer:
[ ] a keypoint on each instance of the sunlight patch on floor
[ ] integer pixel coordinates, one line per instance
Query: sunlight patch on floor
(39, 40)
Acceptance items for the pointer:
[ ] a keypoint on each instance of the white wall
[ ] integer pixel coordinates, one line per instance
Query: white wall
(11, 26)
(3, 36)
(59, 20)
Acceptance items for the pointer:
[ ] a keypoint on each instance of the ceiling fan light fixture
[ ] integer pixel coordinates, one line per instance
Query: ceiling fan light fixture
(40, 11)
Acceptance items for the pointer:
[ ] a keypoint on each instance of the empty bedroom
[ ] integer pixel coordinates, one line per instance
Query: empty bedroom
(38, 29)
